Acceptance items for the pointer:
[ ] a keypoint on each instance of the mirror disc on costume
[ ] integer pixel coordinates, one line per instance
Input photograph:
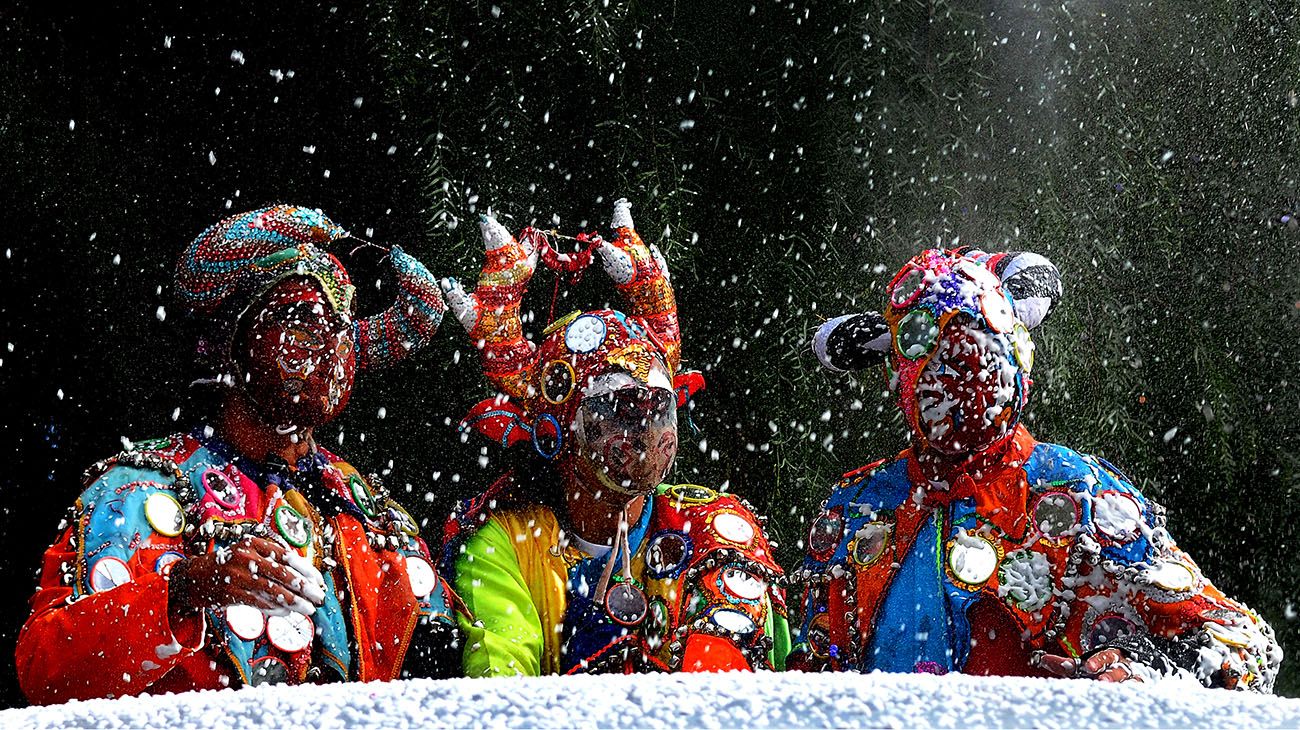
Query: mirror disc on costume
(403, 519)
(109, 573)
(267, 670)
(692, 494)
(222, 489)
(972, 559)
(908, 288)
(658, 622)
(869, 543)
(164, 514)
(734, 621)
(997, 311)
(733, 528)
(626, 604)
(1171, 576)
(246, 622)
(1055, 514)
(293, 526)
(667, 554)
(917, 335)
(977, 274)
(827, 531)
(362, 496)
(743, 585)
(1024, 345)
(1025, 578)
(1235, 636)
(558, 381)
(290, 633)
(819, 635)
(165, 562)
(585, 334)
(1117, 516)
(422, 576)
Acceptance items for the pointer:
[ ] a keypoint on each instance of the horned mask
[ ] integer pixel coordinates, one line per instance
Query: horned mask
(954, 341)
(541, 385)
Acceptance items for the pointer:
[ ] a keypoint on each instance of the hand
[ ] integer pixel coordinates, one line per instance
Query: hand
(254, 572)
(1108, 665)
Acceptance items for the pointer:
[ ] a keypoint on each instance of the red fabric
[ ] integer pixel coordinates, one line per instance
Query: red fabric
(687, 384)
(499, 419)
(997, 644)
(1001, 494)
(706, 653)
(385, 610)
(125, 631)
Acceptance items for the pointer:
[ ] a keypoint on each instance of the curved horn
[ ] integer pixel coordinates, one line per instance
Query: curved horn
(640, 273)
(491, 313)
(852, 342)
(1032, 281)
(388, 337)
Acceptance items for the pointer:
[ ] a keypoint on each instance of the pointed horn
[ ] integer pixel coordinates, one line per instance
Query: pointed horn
(491, 314)
(641, 275)
(1033, 282)
(463, 304)
(852, 342)
(388, 337)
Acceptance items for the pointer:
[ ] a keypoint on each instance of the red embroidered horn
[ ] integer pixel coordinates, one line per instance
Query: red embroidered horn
(641, 274)
(491, 313)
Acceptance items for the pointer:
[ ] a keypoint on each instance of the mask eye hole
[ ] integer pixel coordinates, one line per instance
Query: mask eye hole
(917, 335)
(633, 407)
(908, 288)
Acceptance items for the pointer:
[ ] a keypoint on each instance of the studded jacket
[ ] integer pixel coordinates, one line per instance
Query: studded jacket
(1052, 551)
(100, 627)
(700, 558)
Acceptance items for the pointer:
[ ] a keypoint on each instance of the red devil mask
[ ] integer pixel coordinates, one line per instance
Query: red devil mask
(598, 392)
(296, 355)
(954, 341)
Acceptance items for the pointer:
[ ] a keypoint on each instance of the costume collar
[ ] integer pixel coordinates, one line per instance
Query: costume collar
(994, 478)
(272, 471)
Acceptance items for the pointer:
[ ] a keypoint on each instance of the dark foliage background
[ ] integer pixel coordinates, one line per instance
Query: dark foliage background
(788, 157)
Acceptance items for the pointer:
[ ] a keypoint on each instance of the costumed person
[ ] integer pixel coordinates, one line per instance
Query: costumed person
(579, 559)
(242, 552)
(980, 550)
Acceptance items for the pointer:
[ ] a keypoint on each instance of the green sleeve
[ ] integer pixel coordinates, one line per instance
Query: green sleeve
(506, 636)
(778, 627)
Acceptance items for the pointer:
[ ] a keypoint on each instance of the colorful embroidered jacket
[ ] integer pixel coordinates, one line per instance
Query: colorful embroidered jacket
(99, 625)
(1054, 551)
(701, 558)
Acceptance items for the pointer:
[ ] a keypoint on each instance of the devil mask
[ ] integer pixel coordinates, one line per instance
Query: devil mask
(295, 355)
(598, 394)
(229, 270)
(954, 341)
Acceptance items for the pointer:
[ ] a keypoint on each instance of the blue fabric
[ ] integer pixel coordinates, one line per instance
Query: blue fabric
(588, 629)
(913, 624)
